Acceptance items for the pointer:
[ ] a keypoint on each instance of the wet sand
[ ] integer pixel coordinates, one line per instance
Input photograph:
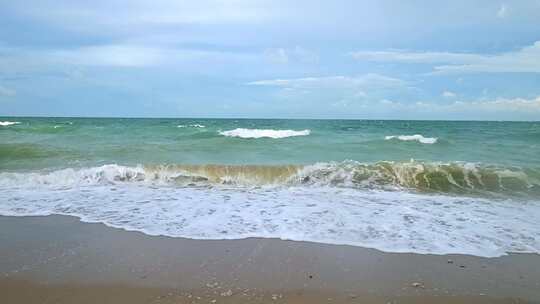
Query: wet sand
(58, 259)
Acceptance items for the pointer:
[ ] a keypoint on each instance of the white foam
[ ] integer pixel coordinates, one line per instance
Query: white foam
(8, 123)
(260, 133)
(394, 221)
(69, 177)
(416, 137)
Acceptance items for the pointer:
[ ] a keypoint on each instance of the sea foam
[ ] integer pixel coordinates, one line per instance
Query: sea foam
(260, 133)
(395, 207)
(389, 221)
(416, 137)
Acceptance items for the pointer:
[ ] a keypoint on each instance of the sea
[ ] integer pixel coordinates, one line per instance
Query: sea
(427, 187)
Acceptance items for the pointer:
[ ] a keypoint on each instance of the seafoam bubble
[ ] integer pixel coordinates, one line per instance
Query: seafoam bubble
(262, 133)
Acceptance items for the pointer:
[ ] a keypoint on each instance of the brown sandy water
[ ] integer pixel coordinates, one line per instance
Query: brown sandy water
(58, 259)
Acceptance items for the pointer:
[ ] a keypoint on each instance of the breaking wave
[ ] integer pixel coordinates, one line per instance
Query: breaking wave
(416, 137)
(192, 126)
(260, 133)
(8, 123)
(421, 207)
(454, 178)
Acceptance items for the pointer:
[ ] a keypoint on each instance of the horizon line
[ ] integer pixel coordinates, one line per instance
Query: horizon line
(261, 118)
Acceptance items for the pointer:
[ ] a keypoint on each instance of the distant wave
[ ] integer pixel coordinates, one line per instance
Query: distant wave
(416, 137)
(8, 123)
(260, 133)
(192, 126)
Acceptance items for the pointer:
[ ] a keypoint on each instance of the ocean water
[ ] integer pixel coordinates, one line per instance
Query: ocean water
(400, 186)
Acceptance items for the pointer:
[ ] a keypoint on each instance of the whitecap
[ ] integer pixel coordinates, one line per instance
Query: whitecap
(416, 137)
(8, 123)
(260, 133)
(193, 126)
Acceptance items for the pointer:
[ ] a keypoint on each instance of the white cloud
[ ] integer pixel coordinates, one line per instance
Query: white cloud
(526, 59)
(113, 55)
(502, 104)
(123, 15)
(133, 55)
(448, 94)
(7, 92)
(335, 82)
(338, 91)
(416, 57)
(120, 55)
(499, 105)
(276, 55)
(297, 54)
(503, 11)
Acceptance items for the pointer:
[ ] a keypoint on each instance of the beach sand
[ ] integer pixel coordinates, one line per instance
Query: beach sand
(58, 259)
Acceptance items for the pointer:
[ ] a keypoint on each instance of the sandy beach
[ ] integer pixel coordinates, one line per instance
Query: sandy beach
(58, 259)
(279, 152)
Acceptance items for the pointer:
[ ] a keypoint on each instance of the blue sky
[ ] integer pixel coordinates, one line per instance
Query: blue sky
(283, 59)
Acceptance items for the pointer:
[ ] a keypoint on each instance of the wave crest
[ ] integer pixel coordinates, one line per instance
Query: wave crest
(192, 126)
(416, 137)
(456, 178)
(8, 123)
(260, 133)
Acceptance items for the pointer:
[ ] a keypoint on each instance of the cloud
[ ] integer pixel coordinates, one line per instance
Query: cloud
(120, 56)
(7, 92)
(276, 55)
(525, 60)
(113, 55)
(448, 94)
(334, 82)
(415, 57)
(141, 56)
(284, 55)
(123, 15)
(499, 105)
(502, 12)
(338, 91)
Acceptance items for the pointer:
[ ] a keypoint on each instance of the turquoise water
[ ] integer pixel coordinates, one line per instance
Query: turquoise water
(38, 143)
(401, 186)
(491, 148)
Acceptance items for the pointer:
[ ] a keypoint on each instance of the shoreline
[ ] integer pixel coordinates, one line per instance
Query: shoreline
(59, 257)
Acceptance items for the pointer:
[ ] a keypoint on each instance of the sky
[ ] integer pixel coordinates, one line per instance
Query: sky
(470, 60)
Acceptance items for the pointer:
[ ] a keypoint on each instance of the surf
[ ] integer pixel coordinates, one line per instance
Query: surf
(426, 177)
(417, 137)
(8, 123)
